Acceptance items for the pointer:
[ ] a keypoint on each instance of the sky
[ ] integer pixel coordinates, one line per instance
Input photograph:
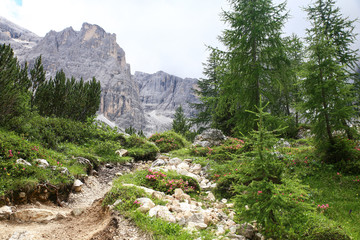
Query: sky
(167, 35)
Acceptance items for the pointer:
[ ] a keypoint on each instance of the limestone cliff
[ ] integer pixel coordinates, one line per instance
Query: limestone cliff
(91, 52)
(160, 94)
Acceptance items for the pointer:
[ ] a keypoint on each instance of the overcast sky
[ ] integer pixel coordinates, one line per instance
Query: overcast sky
(167, 35)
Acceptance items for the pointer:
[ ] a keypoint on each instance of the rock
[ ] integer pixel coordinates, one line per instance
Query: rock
(197, 226)
(163, 213)
(42, 163)
(175, 161)
(210, 197)
(158, 162)
(65, 171)
(122, 152)
(77, 185)
(196, 169)
(5, 212)
(180, 195)
(85, 162)
(224, 200)
(183, 165)
(237, 237)
(246, 230)
(22, 195)
(196, 218)
(209, 138)
(220, 230)
(23, 235)
(158, 195)
(77, 211)
(118, 174)
(145, 204)
(258, 236)
(23, 162)
(34, 215)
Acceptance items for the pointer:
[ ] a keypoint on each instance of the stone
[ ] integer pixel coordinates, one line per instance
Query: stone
(224, 200)
(21, 235)
(246, 230)
(197, 226)
(258, 236)
(158, 195)
(183, 165)
(209, 138)
(196, 169)
(77, 185)
(145, 204)
(77, 211)
(196, 218)
(158, 162)
(22, 195)
(122, 152)
(84, 161)
(163, 213)
(23, 162)
(65, 171)
(5, 212)
(175, 161)
(42, 163)
(220, 230)
(34, 215)
(237, 237)
(210, 197)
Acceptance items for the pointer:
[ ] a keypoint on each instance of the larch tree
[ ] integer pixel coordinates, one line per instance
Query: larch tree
(327, 96)
(254, 50)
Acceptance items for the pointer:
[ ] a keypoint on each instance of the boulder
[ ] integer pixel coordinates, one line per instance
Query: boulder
(84, 161)
(145, 204)
(21, 235)
(163, 213)
(210, 197)
(209, 138)
(34, 215)
(122, 152)
(183, 165)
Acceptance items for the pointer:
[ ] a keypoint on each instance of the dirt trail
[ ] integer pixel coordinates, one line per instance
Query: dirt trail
(90, 221)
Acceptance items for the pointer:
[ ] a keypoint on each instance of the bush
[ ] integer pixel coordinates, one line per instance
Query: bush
(168, 141)
(141, 149)
(344, 154)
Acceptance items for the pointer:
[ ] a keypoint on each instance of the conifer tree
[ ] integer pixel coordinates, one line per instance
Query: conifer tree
(254, 49)
(13, 85)
(37, 77)
(180, 123)
(327, 96)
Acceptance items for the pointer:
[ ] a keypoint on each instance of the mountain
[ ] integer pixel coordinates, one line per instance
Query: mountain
(143, 101)
(160, 95)
(19, 38)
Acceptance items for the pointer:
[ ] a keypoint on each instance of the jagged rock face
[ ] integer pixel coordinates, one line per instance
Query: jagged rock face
(18, 37)
(161, 94)
(91, 52)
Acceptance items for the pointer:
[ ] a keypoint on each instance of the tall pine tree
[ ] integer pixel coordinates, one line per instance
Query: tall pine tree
(327, 96)
(254, 51)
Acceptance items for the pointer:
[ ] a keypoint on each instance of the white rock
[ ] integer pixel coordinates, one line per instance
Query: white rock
(224, 200)
(196, 169)
(77, 185)
(175, 161)
(158, 195)
(210, 197)
(34, 215)
(5, 212)
(23, 235)
(178, 194)
(183, 165)
(220, 230)
(122, 152)
(158, 162)
(197, 226)
(182, 171)
(23, 162)
(145, 204)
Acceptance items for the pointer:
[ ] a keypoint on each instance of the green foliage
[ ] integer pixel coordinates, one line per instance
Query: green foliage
(37, 77)
(68, 98)
(327, 94)
(180, 123)
(278, 202)
(14, 176)
(14, 95)
(168, 141)
(141, 149)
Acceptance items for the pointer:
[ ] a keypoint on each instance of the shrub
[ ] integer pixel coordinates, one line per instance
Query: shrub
(168, 141)
(141, 149)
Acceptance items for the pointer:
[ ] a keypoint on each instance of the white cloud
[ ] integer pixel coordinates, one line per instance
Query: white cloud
(168, 35)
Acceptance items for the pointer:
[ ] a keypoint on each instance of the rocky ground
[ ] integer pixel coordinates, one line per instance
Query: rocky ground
(81, 218)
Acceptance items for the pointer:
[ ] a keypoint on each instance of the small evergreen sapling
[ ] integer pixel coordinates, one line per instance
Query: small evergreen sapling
(276, 201)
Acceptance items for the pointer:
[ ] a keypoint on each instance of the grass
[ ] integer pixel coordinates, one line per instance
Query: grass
(342, 195)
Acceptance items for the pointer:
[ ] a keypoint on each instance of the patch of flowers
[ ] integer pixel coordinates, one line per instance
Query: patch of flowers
(165, 183)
